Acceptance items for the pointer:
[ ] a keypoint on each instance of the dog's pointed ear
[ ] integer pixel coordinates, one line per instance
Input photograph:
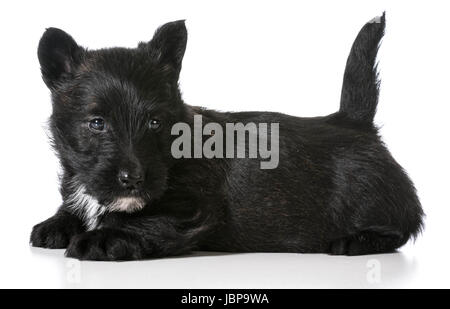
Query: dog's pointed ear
(59, 55)
(169, 41)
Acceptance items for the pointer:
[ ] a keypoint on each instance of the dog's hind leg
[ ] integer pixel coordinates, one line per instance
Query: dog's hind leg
(367, 242)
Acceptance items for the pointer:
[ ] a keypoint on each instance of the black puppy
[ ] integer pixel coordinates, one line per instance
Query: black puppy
(336, 188)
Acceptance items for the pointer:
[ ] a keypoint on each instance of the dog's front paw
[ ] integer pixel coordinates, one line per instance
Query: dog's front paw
(56, 232)
(106, 245)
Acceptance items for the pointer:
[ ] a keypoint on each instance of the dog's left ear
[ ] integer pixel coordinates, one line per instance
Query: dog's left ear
(170, 43)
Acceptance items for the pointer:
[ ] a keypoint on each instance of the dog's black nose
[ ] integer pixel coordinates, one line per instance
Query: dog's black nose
(130, 180)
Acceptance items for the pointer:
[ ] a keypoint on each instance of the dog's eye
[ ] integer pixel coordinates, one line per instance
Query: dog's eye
(154, 124)
(97, 124)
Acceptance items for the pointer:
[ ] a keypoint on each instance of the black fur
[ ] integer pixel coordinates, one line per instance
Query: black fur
(336, 190)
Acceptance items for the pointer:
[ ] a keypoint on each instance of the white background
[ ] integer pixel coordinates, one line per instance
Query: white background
(285, 56)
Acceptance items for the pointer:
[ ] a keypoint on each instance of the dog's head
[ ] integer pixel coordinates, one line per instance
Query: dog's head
(112, 113)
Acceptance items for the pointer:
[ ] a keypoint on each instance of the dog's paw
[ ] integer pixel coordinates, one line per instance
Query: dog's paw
(56, 232)
(106, 245)
(367, 243)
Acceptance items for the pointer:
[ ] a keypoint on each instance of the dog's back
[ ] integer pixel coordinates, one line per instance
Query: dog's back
(337, 189)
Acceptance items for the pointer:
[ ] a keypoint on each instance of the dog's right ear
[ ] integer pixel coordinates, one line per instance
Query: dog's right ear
(58, 55)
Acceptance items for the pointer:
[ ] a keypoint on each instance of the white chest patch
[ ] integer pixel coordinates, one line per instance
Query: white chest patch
(86, 207)
(90, 210)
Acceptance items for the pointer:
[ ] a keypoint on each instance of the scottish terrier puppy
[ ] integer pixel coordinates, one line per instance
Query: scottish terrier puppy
(335, 188)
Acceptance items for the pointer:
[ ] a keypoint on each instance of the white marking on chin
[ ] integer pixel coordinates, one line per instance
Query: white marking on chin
(85, 206)
(127, 204)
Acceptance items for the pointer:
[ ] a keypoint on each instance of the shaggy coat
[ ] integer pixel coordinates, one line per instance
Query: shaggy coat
(336, 189)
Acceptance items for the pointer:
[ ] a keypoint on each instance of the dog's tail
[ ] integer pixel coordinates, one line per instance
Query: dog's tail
(360, 88)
